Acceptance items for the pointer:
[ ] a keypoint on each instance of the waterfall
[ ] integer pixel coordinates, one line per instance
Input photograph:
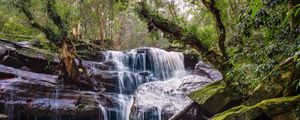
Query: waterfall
(138, 66)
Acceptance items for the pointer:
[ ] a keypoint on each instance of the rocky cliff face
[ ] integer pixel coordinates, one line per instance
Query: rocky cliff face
(29, 87)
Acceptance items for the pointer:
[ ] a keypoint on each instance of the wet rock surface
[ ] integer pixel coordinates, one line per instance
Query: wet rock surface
(34, 93)
(22, 57)
(207, 70)
(168, 97)
(29, 87)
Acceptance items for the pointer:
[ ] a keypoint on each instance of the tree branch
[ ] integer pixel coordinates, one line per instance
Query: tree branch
(182, 35)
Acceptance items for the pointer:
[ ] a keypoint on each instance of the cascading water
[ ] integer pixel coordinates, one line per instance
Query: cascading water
(136, 67)
(55, 103)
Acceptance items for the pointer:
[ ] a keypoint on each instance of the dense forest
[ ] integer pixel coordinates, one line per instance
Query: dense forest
(149, 59)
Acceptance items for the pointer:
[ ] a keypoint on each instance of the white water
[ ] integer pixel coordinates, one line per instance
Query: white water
(136, 67)
(103, 113)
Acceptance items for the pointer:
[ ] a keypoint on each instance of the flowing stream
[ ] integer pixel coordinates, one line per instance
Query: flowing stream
(135, 67)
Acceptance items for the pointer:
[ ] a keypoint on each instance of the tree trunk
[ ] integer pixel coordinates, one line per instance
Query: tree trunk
(220, 26)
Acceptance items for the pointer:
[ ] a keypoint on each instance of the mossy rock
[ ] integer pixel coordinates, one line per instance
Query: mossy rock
(38, 54)
(270, 107)
(216, 97)
(270, 89)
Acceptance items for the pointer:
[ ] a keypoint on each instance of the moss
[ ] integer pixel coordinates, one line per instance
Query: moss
(269, 89)
(216, 97)
(270, 107)
(237, 109)
(202, 95)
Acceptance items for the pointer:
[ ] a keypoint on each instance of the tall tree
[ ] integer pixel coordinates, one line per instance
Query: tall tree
(211, 6)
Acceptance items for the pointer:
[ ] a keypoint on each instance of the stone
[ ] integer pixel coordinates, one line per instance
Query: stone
(40, 94)
(264, 109)
(216, 97)
(20, 56)
(165, 98)
(203, 69)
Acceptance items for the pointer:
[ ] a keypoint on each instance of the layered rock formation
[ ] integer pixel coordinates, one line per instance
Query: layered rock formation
(30, 88)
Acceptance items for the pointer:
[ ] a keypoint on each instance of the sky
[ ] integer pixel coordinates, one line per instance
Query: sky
(183, 7)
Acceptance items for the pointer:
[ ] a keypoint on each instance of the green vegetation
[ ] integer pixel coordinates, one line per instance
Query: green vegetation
(270, 107)
(254, 43)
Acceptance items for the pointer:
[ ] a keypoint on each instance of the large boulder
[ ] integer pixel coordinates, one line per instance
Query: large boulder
(216, 97)
(207, 70)
(271, 89)
(165, 98)
(223, 99)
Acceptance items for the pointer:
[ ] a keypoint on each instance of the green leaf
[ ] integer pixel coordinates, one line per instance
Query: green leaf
(297, 11)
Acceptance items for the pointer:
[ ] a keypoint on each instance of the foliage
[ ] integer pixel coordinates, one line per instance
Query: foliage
(13, 29)
(259, 33)
(265, 41)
